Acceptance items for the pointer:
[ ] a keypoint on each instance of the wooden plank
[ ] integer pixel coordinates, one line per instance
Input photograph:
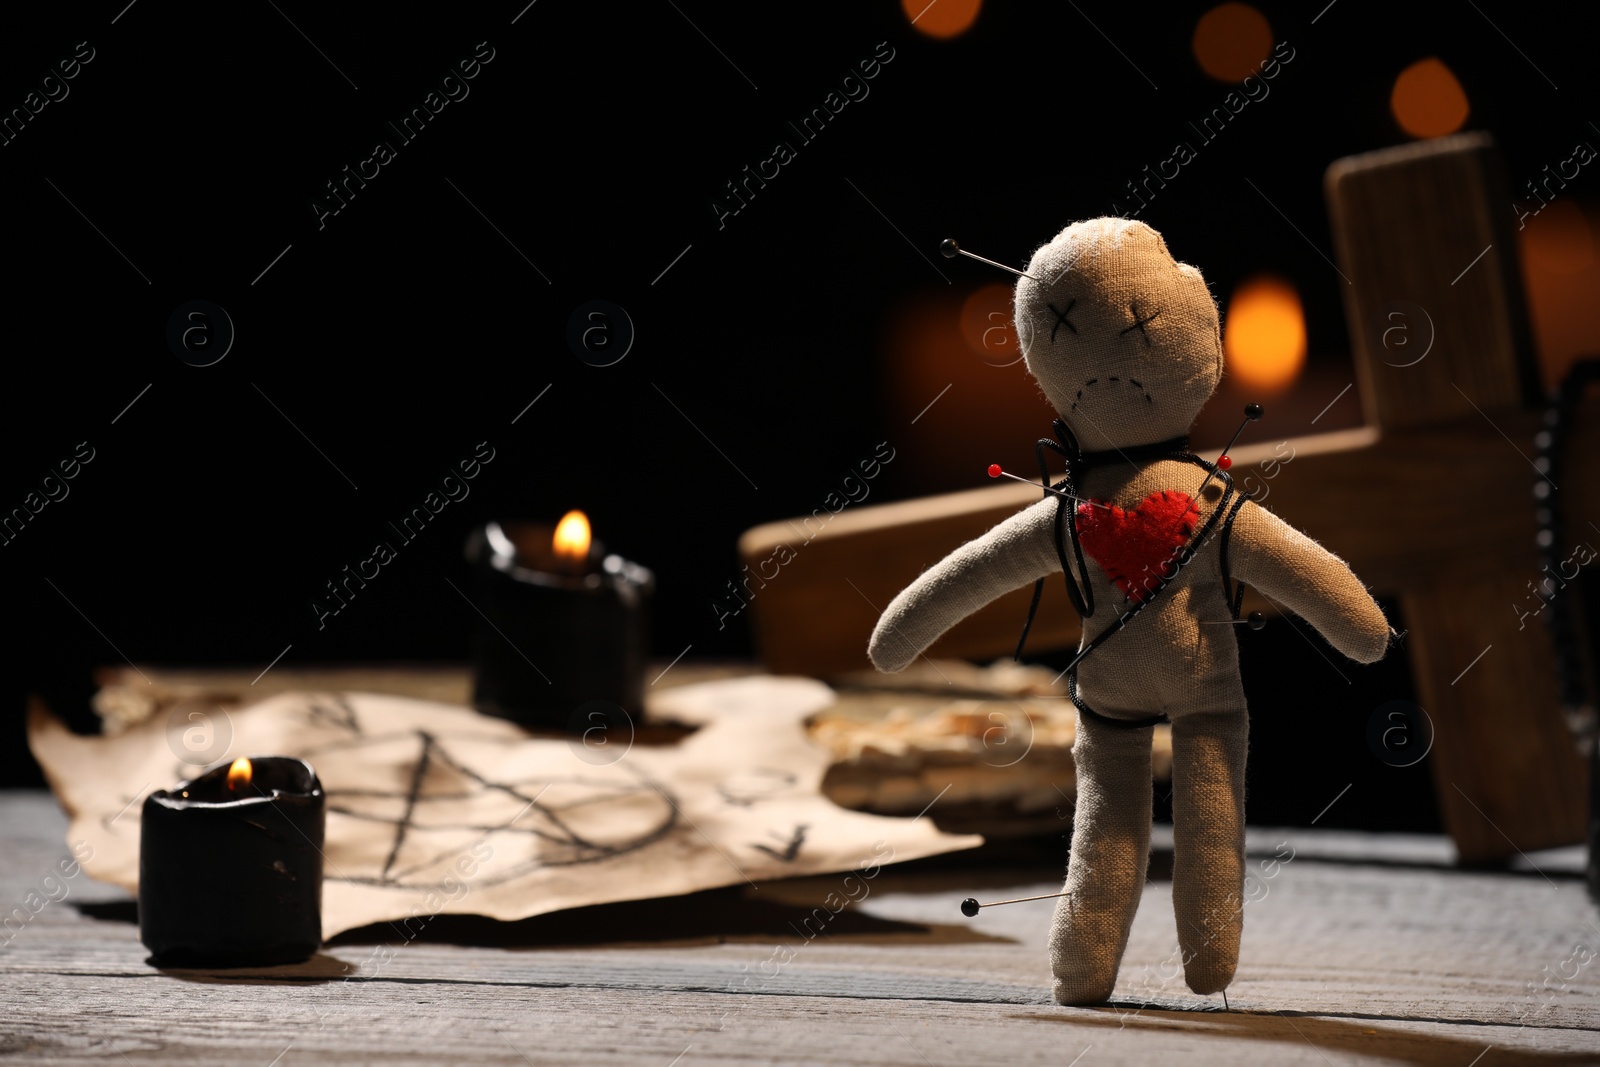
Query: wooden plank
(1506, 768)
(1339, 488)
(1428, 226)
(809, 619)
(1344, 958)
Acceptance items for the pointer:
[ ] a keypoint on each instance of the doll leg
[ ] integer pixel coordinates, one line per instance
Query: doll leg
(1110, 850)
(1208, 756)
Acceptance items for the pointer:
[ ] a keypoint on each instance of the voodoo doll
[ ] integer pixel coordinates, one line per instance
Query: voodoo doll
(1126, 344)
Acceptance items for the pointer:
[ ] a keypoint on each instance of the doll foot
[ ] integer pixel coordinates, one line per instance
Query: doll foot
(1214, 975)
(1082, 992)
(1084, 955)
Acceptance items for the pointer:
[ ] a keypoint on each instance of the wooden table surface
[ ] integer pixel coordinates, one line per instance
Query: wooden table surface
(1363, 949)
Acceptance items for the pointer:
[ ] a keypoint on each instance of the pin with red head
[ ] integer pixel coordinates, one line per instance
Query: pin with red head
(997, 471)
(1252, 413)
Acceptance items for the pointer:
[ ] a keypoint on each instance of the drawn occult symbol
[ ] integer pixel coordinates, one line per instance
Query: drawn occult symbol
(444, 803)
(748, 788)
(336, 713)
(791, 846)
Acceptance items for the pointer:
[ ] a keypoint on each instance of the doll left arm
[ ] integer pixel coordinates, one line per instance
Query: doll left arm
(1014, 553)
(1293, 570)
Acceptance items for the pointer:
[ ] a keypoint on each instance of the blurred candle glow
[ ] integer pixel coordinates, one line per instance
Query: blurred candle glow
(941, 18)
(1231, 40)
(1427, 100)
(987, 327)
(1264, 338)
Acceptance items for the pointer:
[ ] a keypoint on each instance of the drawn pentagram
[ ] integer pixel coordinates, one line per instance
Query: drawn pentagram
(445, 801)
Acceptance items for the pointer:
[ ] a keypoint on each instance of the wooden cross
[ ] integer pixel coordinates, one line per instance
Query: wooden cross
(1432, 502)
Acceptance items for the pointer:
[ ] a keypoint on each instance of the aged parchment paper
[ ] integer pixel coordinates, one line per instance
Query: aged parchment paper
(436, 809)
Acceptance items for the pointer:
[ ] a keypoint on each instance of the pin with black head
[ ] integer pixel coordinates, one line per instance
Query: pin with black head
(1252, 413)
(950, 248)
(970, 906)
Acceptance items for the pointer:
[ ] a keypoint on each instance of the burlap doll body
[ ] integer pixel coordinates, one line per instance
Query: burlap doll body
(1126, 345)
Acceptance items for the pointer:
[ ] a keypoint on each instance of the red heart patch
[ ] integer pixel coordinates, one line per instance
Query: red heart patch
(1134, 547)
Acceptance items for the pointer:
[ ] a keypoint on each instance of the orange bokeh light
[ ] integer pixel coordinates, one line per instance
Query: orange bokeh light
(1561, 264)
(1231, 40)
(1265, 336)
(969, 412)
(1427, 100)
(942, 18)
(986, 325)
(1559, 239)
(239, 773)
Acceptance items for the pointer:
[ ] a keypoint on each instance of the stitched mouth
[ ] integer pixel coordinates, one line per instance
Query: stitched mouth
(1118, 379)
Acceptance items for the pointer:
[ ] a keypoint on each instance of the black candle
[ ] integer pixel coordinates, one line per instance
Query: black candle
(230, 866)
(563, 627)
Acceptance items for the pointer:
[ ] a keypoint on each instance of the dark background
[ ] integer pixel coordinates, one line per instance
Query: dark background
(407, 329)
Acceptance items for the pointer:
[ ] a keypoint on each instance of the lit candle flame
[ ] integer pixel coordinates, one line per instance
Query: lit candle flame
(239, 774)
(571, 542)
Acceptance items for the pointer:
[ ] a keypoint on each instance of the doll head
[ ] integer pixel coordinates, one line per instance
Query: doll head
(1123, 339)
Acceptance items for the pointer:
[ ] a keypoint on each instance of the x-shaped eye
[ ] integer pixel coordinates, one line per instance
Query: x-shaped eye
(1139, 322)
(1061, 318)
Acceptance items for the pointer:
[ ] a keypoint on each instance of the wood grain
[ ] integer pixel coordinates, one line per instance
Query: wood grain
(1506, 769)
(1410, 225)
(1361, 950)
(1343, 489)
(1430, 224)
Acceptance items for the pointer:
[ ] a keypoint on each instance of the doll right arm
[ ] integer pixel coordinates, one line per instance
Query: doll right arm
(1296, 572)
